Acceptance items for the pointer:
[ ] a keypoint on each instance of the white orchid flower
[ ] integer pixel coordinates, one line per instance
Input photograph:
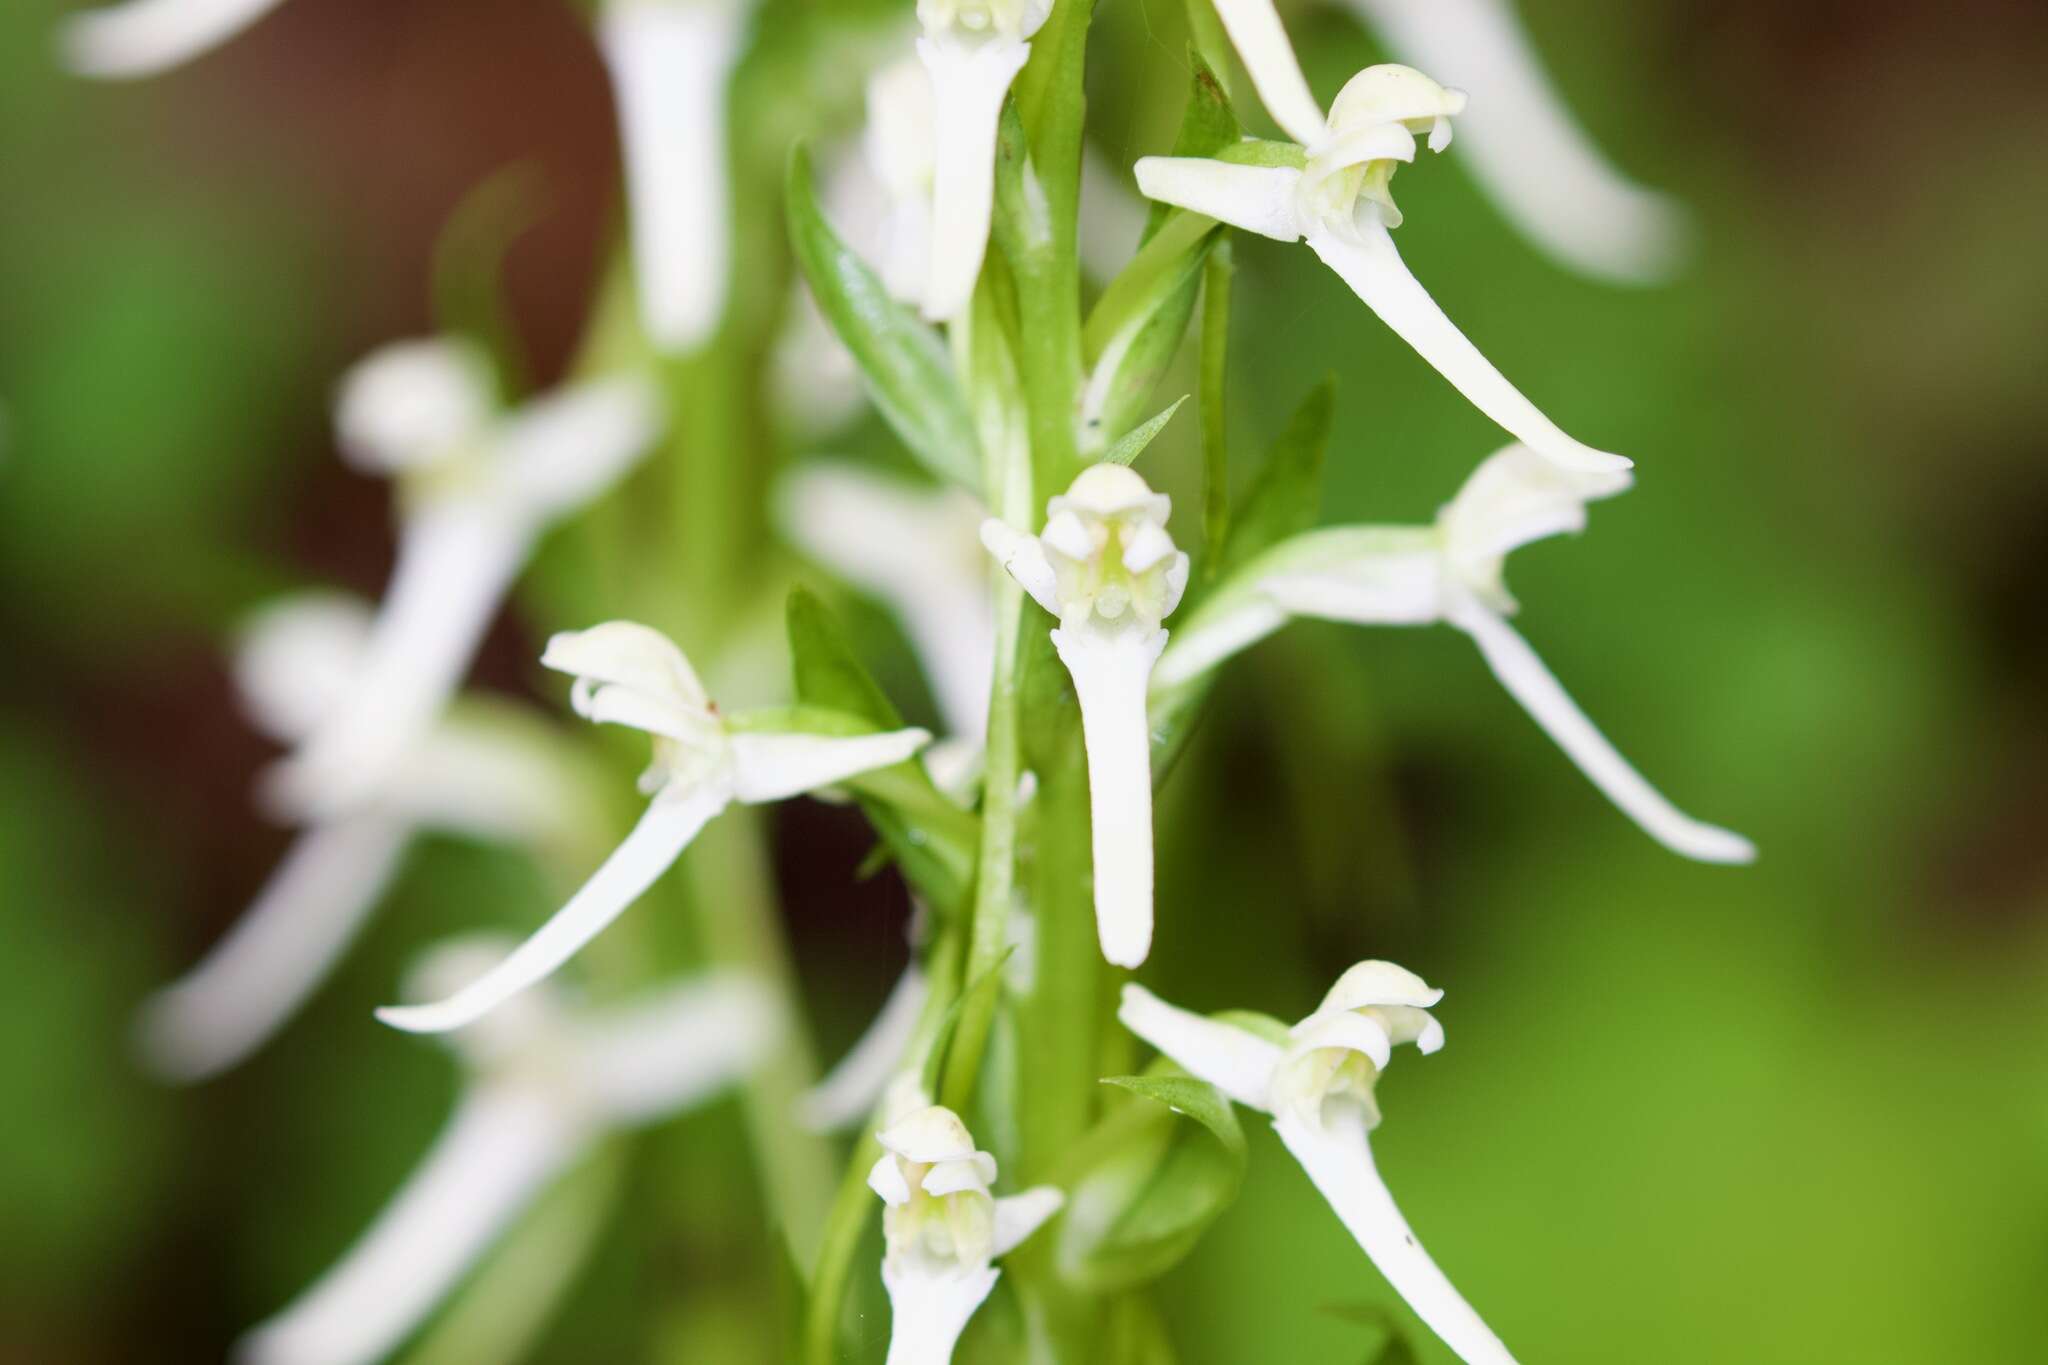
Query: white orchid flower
(942, 1226)
(1105, 566)
(629, 674)
(1449, 572)
(1317, 1082)
(544, 1083)
(471, 775)
(1523, 145)
(899, 147)
(671, 64)
(973, 50)
(1339, 199)
(476, 490)
(917, 550)
(144, 37)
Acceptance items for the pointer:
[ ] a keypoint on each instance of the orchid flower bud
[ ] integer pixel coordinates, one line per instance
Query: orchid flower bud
(1106, 567)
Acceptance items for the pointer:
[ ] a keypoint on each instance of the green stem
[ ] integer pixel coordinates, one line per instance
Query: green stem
(1216, 273)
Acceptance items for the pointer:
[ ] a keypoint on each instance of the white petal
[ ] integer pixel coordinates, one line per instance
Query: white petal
(852, 1089)
(1111, 670)
(1524, 146)
(1220, 629)
(631, 655)
(297, 658)
(280, 949)
(488, 782)
(412, 403)
(670, 66)
(1376, 273)
(649, 1059)
(455, 562)
(1338, 1159)
(1020, 1215)
(885, 1178)
(671, 821)
(1343, 1029)
(1514, 497)
(969, 80)
(1261, 43)
(772, 767)
(1234, 1060)
(929, 1310)
(499, 1149)
(143, 37)
(1023, 558)
(1256, 198)
(1531, 684)
(567, 447)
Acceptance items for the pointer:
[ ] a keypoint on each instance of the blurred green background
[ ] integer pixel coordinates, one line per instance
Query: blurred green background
(1797, 1113)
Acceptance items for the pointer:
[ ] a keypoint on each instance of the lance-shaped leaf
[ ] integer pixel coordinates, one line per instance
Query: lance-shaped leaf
(902, 362)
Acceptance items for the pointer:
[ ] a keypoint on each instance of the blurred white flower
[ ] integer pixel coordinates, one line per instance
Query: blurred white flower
(1523, 145)
(544, 1083)
(850, 1091)
(973, 50)
(915, 549)
(629, 674)
(476, 488)
(1105, 566)
(671, 64)
(941, 1227)
(1318, 1085)
(472, 774)
(1339, 199)
(1449, 572)
(144, 37)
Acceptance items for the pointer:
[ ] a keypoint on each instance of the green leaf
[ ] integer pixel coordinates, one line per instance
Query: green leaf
(1133, 1333)
(1138, 323)
(1149, 1183)
(1286, 496)
(1207, 126)
(1133, 442)
(901, 360)
(930, 837)
(1214, 383)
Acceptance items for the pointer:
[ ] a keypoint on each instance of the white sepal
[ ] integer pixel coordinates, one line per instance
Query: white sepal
(1234, 1060)
(671, 64)
(1112, 670)
(1259, 199)
(1337, 1156)
(144, 37)
(1214, 633)
(969, 81)
(567, 447)
(1530, 683)
(1020, 1215)
(929, 1308)
(771, 767)
(1369, 263)
(1023, 558)
(851, 1090)
(651, 1057)
(664, 831)
(282, 946)
(1255, 31)
(502, 1144)
(1524, 146)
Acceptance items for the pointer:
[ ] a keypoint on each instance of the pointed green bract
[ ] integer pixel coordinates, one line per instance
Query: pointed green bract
(1132, 443)
(1286, 496)
(902, 362)
(1207, 126)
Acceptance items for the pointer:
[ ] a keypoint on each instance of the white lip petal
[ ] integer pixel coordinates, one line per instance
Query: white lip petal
(1376, 273)
(1523, 144)
(1111, 671)
(651, 1058)
(929, 1310)
(1023, 558)
(1020, 1215)
(143, 37)
(567, 447)
(276, 954)
(1531, 684)
(969, 81)
(500, 1147)
(854, 1087)
(670, 66)
(657, 841)
(1255, 31)
(454, 564)
(771, 767)
(1338, 1158)
(1256, 198)
(1235, 1061)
